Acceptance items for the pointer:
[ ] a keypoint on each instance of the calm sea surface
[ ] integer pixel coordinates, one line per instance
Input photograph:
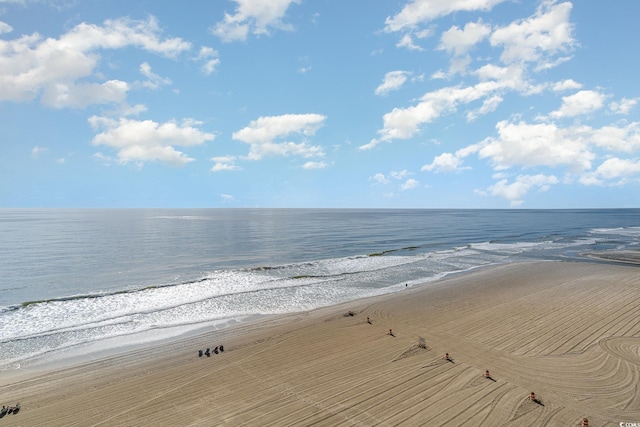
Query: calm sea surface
(83, 280)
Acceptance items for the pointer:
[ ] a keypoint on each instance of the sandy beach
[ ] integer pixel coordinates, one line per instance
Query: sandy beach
(567, 331)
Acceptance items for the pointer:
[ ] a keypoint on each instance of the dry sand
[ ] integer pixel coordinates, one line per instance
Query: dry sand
(568, 331)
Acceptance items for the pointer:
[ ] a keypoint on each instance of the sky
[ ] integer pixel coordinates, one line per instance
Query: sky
(319, 104)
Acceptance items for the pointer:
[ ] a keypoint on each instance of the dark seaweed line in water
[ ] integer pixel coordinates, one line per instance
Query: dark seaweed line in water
(101, 295)
(311, 264)
(152, 287)
(79, 326)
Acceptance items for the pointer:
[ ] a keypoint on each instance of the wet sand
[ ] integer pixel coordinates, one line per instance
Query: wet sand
(567, 331)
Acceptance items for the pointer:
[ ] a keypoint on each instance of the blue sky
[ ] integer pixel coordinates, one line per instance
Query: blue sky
(323, 103)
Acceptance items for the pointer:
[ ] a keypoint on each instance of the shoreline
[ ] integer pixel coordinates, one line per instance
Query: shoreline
(624, 257)
(564, 329)
(113, 346)
(116, 346)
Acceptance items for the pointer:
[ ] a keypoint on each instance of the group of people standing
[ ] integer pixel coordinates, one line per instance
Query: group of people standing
(207, 352)
(6, 410)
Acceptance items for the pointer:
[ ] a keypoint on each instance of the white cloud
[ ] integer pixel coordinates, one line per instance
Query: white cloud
(625, 139)
(615, 168)
(379, 178)
(404, 123)
(400, 174)
(261, 133)
(568, 84)
(583, 102)
(35, 151)
(509, 77)
(146, 140)
(315, 165)
(56, 68)
(409, 184)
(5, 28)
(417, 12)
(406, 42)
(459, 41)
(79, 95)
(154, 81)
(255, 16)
(393, 80)
(549, 146)
(515, 191)
(527, 145)
(124, 110)
(445, 162)
(624, 106)
(537, 38)
(227, 198)
(369, 145)
(489, 105)
(224, 163)
(209, 57)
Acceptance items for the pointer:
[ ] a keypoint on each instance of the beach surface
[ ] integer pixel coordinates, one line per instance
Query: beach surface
(567, 331)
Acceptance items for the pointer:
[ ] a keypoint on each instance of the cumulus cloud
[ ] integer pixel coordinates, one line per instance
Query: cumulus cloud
(615, 168)
(418, 12)
(5, 28)
(253, 16)
(209, 57)
(315, 165)
(406, 42)
(402, 175)
(538, 38)
(145, 140)
(57, 69)
(546, 145)
(583, 102)
(404, 123)
(445, 162)
(153, 81)
(261, 135)
(409, 184)
(80, 95)
(379, 178)
(624, 138)
(224, 163)
(393, 80)
(489, 105)
(459, 41)
(624, 106)
(515, 191)
(529, 145)
(525, 47)
(568, 84)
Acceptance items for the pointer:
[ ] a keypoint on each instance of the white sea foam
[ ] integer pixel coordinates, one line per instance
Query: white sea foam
(114, 316)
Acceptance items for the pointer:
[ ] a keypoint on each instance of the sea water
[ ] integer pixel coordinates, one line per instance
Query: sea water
(74, 281)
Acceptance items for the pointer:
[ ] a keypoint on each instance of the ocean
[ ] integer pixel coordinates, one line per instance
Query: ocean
(80, 281)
